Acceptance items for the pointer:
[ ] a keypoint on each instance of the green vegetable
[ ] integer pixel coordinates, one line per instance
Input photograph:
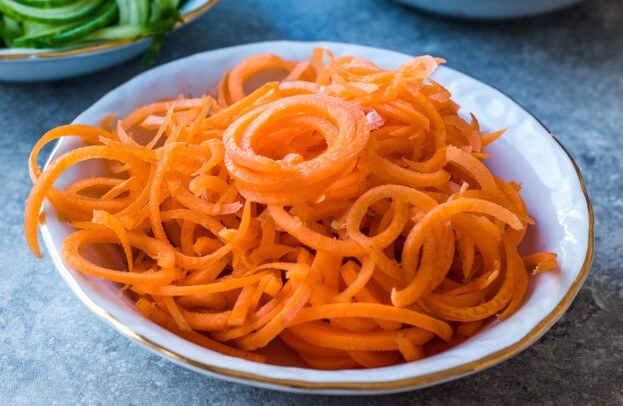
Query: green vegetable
(9, 29)
(71, 23)
(122, 32)
(45, 3)
(63, 14)
(133, 12)
(67, 34)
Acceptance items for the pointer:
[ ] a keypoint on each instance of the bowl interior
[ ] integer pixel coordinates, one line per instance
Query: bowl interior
(527, 153)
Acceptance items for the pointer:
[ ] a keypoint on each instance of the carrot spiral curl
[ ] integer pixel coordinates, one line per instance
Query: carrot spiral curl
(232, 86)
(345, 210)
(292, 149)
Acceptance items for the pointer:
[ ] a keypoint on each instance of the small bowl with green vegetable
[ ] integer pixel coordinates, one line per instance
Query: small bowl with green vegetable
(43, 40)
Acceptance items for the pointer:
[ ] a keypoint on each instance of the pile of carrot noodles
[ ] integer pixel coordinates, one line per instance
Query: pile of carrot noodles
(343, 210)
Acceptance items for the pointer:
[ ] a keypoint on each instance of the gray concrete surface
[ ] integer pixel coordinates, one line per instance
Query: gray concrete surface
(567, 68)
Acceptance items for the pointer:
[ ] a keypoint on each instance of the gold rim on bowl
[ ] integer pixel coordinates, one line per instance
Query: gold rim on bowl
(84, 50)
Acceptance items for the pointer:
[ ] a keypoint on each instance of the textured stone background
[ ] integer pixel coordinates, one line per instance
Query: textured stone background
(567, 68)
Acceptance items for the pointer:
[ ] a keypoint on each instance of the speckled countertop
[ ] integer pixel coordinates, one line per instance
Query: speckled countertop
(567, 68)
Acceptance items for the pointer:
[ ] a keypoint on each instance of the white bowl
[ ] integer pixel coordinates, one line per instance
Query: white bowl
(40, 65)
(489, 9)
(552, 187)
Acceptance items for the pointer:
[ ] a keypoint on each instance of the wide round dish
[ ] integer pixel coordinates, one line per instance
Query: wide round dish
(40, 65)
(552, 188)
(489, 9)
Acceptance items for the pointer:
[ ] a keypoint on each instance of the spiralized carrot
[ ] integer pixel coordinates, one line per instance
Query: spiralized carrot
(345, 210)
